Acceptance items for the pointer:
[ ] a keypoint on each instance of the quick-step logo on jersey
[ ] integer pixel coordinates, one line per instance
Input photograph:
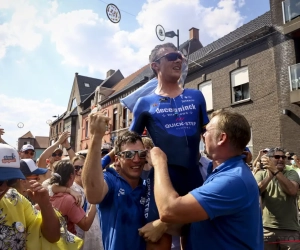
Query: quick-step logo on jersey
(121, 192)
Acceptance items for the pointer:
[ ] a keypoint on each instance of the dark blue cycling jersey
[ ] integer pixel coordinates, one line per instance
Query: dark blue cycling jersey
(174, 124)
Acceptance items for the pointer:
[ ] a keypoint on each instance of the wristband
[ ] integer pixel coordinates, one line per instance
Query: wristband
(275, 173)
(68, 148)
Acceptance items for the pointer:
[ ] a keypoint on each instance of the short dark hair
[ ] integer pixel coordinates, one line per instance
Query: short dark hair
(236, 127)
(153, 56)
(127, 137)
(63, 169)
(272, 151)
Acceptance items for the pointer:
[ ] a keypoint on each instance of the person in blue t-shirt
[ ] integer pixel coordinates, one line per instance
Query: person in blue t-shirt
(120, 197)
(224, 213)
(175, 118)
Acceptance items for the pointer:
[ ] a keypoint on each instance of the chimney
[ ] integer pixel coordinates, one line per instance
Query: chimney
(76, 74)
(194, 33)
(110, 73)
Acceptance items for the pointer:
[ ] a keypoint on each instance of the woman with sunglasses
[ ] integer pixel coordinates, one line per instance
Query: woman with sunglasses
(64, 176)
(92, 237)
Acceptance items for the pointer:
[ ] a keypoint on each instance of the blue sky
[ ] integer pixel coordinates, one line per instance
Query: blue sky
(43, 44)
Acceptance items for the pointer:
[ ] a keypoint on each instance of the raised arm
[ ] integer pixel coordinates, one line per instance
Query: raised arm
(92, 175)
(260, 154)
(48, 152)
(69, 149)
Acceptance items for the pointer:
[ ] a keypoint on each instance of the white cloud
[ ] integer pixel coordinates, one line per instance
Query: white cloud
(84, 39)
(24, 27)
(32, 113)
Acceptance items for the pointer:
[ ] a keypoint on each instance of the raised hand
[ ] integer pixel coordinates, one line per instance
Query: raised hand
(37, 193)
(157, 157)
(63, 137)
(98, 123)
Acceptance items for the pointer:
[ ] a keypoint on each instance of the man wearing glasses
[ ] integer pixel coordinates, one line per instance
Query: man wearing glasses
(120, 197)
(175, 118)
(278, 188)
(27, 152)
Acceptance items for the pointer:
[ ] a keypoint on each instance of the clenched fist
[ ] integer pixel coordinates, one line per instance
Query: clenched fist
(98, 123)
(157, 157)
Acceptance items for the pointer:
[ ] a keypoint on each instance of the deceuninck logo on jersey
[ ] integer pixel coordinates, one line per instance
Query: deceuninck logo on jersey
(177, 109)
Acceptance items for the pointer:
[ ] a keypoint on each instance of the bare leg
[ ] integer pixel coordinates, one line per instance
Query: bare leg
(165, 243)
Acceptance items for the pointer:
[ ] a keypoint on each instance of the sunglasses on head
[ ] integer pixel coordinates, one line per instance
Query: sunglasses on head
(77, 167)
(29, 152)
(173, 56)
(9, 183)
(277, 157)
(58, 154)
(129, 154)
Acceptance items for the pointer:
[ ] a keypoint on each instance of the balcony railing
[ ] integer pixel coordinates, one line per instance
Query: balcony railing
(294, 73)
(291, 10)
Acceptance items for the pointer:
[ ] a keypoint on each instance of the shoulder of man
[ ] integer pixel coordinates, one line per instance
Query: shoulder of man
(292, 175)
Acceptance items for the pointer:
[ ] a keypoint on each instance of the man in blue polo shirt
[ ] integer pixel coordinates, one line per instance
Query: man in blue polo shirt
(120, 197)
(224, 213)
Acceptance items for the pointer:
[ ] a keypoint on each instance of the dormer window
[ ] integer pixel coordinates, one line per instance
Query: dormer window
(86, 84)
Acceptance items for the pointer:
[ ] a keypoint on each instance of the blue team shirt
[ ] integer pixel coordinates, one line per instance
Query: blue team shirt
(174, 124)
(121, 214)
(230, 197)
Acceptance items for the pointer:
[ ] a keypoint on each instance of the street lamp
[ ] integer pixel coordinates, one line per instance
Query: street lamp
(171, 34)
(161, 34)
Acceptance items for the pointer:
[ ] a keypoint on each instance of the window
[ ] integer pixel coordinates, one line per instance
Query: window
(206, 89)
(86, 128)
(74, 104)
(86, 84)
(56, 128)
(125, 117)
(240, 85)
(115, 117)
(59, 127)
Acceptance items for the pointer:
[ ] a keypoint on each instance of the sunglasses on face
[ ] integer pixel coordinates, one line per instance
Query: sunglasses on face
(277, 157)
(9, 183)
(173, 56)
(54, 154)
(29, 152)
(129, 154)
(77, 168)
